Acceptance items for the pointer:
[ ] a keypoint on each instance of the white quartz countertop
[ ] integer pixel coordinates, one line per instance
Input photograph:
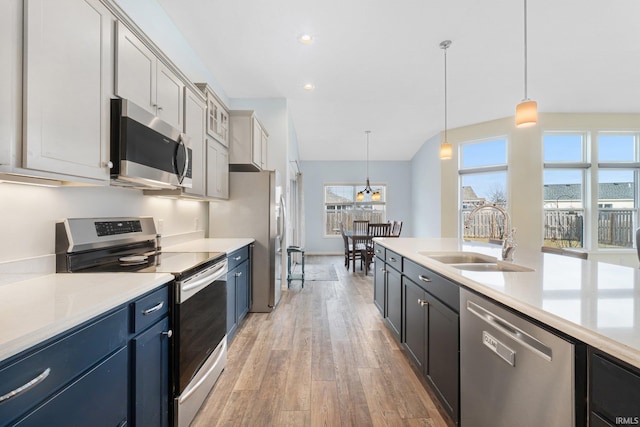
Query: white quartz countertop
(210, 245)
(36, 309)
(595, 302)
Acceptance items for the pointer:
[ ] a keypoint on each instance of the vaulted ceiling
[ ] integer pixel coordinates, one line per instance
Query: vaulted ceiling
(377, 65)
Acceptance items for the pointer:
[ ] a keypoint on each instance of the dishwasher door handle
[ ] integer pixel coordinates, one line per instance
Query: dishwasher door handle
(512, 331)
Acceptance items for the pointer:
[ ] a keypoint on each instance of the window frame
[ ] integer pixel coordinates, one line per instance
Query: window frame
(355, 204)
(478, 170)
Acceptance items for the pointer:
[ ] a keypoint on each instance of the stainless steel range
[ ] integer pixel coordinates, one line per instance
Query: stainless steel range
(198, 312)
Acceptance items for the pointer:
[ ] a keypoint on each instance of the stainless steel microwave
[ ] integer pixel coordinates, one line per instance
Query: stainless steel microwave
(147, 152)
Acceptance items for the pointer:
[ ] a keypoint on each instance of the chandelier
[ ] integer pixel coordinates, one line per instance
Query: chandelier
(375, 195)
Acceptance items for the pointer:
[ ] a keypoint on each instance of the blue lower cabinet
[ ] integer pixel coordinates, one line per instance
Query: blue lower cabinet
(150, 353)
(238, 289)
(98, 398)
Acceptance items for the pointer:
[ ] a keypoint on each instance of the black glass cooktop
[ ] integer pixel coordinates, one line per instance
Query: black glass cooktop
(177, 263)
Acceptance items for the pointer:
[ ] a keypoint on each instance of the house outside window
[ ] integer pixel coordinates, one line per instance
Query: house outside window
(340, 205)
(483, 179)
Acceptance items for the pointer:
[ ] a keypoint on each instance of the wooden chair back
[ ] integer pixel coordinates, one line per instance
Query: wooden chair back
(360, 226)
(379, 230)
(396, 228)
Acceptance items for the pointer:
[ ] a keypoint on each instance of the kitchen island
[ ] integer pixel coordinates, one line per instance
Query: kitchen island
(590, 304)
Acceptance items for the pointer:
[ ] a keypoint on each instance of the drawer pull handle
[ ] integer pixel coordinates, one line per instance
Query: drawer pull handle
(26, 386)
(383, 270)
(238, 258)
(424, 278)
(154, 308)
(169, 333)
(422, 302)
(392, 259)
(378, 251)
(239, 274)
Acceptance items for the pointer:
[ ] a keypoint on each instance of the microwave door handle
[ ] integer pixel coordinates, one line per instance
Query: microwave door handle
(186, 157)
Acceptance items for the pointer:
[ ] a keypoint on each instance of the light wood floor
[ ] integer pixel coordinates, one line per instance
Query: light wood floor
(323, 358)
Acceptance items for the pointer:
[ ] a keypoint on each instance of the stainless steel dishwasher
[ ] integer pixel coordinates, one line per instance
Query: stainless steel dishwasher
(512, 372)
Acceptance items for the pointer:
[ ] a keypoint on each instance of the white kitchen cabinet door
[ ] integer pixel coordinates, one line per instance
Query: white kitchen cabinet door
(135, 70)
(263, 149)
(10, 80)
(68, 75)
(169, 96)
(143, 79)
(194, 126)
(217, 170)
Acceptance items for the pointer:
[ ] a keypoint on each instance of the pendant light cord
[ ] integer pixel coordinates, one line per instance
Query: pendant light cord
(525, 50)
(445, 95)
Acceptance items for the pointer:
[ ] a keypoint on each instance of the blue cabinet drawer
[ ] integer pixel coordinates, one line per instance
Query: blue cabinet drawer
(53, 366)
(98, 398)
(379, 250)
(443, 289)
(236, 258)
(393, 259)
(149, 309)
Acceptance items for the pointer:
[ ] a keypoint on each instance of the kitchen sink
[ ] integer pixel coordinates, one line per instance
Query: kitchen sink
(491, 266)
(459, 257)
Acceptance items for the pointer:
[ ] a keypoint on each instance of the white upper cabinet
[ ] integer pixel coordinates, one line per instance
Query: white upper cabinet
(68, 75)
(10, 81)
(248, 147)
(194, 126)
(217, 170)
(217, 116)
(143, 79)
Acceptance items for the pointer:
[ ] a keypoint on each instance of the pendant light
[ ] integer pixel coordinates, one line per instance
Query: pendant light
(446, 150)
(375, 195)
(527, 110)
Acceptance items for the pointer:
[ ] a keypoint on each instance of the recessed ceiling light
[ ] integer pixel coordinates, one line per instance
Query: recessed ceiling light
(309, 87)
(306, 39)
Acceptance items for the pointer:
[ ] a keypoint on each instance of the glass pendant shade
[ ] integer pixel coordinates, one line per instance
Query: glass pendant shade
(360, 196)
(375, 196)
(526, 113)
(446, 151)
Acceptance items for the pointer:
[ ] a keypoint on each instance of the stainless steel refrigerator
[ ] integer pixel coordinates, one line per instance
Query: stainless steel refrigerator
(255, 209)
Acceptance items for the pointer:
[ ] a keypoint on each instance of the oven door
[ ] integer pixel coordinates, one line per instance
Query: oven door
(201, 321)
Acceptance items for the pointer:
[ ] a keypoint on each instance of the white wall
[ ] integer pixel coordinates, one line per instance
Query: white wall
(425, 189)
(28, 214)
(396, 175)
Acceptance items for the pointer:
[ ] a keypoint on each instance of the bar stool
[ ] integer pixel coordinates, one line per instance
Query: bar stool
(291, 276)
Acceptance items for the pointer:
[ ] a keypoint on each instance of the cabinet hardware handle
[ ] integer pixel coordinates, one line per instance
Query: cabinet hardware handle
(238, 258)
(239, 274)
(392, 259)
(422, 302)
(154, 308)
(378, 251)
(383, 270)
(169, 333)
(424, 278)
(154, 105)
(26, 386)
(159, 108)
(108, 165)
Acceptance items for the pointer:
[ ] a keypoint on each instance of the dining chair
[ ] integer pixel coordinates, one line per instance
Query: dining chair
(359, 251)
(396, 228)
(360, 226)
(347, 246)
(566, 252)
(375, 230)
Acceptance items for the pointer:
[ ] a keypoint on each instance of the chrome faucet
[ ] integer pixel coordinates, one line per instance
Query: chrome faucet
(508, 243)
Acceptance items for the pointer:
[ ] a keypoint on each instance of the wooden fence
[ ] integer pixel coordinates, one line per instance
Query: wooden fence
(333, 219)
(563, 228)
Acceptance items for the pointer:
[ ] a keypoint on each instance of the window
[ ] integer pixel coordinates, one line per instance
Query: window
(564, 189)
(483, 178)
(617, 189)
(340, 205)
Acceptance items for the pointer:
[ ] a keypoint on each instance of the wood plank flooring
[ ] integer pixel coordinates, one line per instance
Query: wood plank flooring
(323, 358)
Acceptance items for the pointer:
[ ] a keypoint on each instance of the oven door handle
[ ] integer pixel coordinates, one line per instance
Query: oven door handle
(206, 279)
